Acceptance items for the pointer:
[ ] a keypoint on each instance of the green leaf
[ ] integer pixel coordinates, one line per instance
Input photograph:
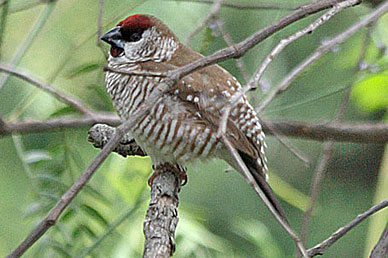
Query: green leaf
(82, 69)
(371, 93)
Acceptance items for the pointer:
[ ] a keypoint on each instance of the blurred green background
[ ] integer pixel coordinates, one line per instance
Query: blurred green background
(220, 216)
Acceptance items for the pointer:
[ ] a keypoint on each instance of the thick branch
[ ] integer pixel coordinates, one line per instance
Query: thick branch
(162, 215)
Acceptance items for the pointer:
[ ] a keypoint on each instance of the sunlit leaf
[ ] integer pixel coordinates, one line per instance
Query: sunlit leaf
(371, 93)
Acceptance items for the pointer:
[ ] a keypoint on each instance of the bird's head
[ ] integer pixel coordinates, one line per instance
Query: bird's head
(140, 38)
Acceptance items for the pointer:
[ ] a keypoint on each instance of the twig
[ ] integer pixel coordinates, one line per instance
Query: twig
(381, 248)
(329, 44)
(242, 6)
(248, 176)
(24, 46)
(341, 132)
(140, 73)
(99, 27)
(320, 248)
(162, 215)
(285, 42)
(61, 96)
(211, 15)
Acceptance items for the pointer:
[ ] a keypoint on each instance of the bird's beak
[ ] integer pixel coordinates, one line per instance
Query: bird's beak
(113, 37)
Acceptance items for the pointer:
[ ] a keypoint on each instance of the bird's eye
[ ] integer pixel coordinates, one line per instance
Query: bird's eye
(136, 36)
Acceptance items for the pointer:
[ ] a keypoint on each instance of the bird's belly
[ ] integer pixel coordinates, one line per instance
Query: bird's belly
(173, 140)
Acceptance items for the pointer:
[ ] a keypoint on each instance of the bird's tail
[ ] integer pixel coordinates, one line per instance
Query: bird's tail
(260, 179)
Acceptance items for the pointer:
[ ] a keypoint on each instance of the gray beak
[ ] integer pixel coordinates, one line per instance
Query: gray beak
(113, 37)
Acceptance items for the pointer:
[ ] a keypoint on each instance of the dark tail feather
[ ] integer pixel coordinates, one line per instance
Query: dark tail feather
(264, 186)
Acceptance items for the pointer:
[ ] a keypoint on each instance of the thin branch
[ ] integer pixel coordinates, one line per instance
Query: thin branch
(61, 96)
(340, 132)
(248, 176)
(381, 248)
(99, 27)
(140, 73)
(242, 6)
(26, 6)
(329, 44)
(320, 248)
(285, 42)
(202, 24)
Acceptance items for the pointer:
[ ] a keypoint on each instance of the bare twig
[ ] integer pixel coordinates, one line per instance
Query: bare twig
(320, 248)
(202, 24)
(99, 27)
(140, 73)
(248, 176)
(329, 44)
(26, 6)
(162, 215)
(381, 248)
(341, 132)
(47, 88)
(243, 6)
(285, 42)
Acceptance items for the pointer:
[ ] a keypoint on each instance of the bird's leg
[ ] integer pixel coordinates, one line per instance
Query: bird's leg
(166, 167)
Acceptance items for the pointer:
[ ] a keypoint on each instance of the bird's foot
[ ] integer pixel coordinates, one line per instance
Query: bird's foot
(160, 169)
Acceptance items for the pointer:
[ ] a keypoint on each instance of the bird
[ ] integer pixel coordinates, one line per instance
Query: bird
(181, 126)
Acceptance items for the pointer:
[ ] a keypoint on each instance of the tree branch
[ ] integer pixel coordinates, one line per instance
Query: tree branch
(320, 248)
(248, 6)
(61, 96)
(340, 132)
(162, 215)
